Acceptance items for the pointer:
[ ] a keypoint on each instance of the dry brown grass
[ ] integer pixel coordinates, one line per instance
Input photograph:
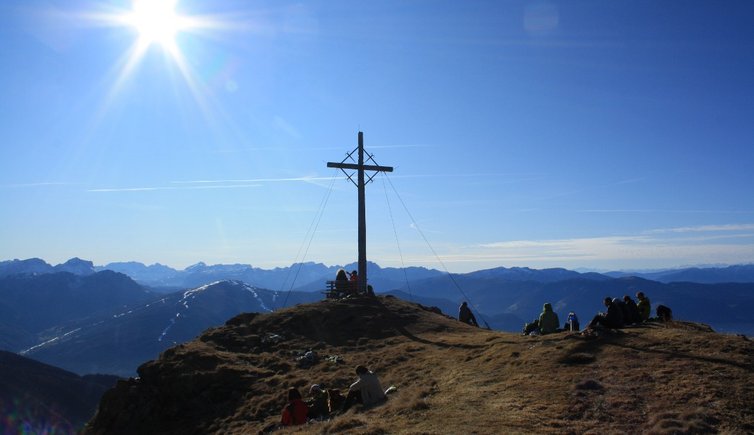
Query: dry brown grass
(451, 378)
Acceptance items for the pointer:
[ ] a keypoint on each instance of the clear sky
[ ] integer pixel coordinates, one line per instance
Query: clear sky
(578, 134)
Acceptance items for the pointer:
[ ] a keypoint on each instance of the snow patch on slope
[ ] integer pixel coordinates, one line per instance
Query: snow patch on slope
(190, 295)
(50, 341)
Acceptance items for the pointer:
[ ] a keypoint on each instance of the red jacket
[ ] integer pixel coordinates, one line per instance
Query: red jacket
(299, 413)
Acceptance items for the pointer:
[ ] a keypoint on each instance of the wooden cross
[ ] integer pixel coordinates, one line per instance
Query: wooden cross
(360, 167)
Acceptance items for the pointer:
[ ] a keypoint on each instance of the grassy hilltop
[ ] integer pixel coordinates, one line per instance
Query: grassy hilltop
(451, 378)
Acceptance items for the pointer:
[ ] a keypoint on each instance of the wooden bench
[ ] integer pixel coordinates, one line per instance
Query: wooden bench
(335, 291)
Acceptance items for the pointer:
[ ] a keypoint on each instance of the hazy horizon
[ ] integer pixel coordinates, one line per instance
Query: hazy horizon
(314, 261)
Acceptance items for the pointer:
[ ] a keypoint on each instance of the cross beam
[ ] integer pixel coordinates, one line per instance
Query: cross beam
(360, 167)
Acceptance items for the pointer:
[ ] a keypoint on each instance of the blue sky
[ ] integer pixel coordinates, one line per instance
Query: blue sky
(578, 134)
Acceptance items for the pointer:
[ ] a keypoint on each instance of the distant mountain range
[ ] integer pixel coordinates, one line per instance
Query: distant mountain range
(311, 276)
(164, 279)
(711, 275)
(90, 319)
(33, 266)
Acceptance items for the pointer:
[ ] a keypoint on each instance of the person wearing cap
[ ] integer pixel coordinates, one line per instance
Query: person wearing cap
(317, 402)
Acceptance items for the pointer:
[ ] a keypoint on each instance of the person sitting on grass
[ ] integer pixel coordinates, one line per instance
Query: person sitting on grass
(466, 316)
(548, 320)
(317, 402)
(612, 319)
(644, 307)
(633, 311)
(295, 411)
(367, 390)
(572, 322)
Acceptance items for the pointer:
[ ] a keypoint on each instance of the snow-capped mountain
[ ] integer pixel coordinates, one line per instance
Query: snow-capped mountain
(119, 344)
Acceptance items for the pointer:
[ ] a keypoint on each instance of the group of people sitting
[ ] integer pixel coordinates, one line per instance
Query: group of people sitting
(347, 284)
(624, 312)
(324, 402)
(619, 313)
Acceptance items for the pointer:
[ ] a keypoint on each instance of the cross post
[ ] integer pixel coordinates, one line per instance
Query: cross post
(360, 183)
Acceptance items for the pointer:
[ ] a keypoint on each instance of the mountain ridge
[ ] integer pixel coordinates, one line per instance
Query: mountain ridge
(32, 304)
(120, 343)
(450, 377)
(312, 274)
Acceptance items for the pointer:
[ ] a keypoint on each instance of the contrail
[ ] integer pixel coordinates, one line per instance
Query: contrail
(150, 189)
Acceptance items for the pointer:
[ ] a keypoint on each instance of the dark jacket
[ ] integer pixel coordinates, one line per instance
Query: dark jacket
(633, 312)
(664, 313)
(614, 316)
(466, 316)
(318, 404)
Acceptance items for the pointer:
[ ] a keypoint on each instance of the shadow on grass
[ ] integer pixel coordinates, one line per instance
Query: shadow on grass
(390, 317)
(586, 351)
(675, 354)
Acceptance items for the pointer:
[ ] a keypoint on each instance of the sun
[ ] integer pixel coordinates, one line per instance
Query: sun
(156, 22)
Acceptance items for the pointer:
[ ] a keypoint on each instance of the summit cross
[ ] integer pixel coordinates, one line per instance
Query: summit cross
(360, 183)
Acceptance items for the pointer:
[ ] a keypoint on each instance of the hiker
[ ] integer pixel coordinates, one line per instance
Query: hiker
(295, 412)
(341, 283)
(664, 313)
(335, 400)
(548, 320)
(466, 316)
(317, 402)
(572, 323)
(633, 317)
(354, 282)
(623, 309)
(612, 319)
(366, 390)
(644, 307)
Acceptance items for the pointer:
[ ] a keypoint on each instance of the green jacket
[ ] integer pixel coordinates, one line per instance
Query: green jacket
(644, 309)
(548, 320)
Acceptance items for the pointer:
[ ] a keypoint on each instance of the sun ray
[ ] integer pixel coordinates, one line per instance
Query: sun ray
(158, 25)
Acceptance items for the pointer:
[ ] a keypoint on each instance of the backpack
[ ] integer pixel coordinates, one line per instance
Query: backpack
(530, 327)
(664, 313)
